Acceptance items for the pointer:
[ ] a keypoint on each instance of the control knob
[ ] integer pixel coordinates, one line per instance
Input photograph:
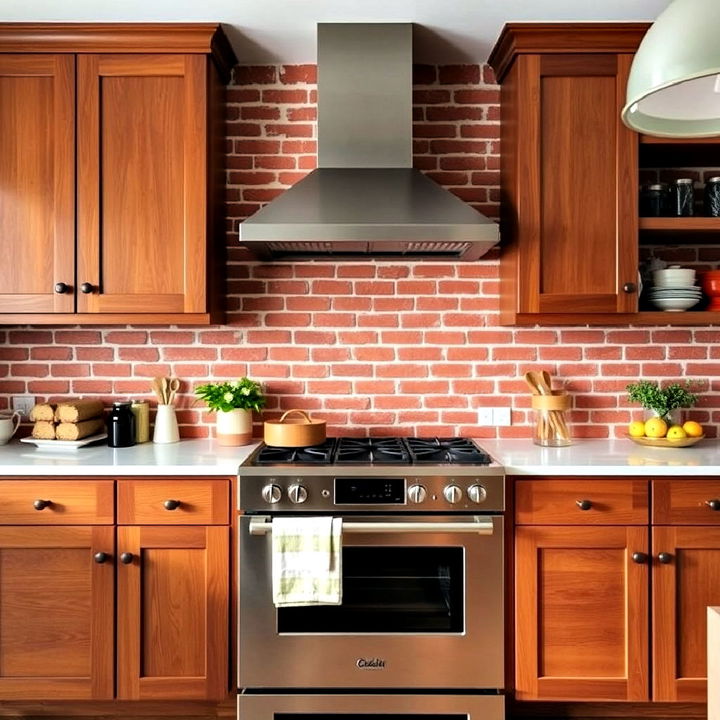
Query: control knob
(271, 494)
(453, 494)
(477, 493)
(297, 494)
(416, 493)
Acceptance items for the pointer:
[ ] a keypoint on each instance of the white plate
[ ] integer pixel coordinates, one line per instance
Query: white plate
(674, 304)
(63, 444)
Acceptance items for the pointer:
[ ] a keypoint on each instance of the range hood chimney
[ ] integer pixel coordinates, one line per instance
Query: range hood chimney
(365, 198)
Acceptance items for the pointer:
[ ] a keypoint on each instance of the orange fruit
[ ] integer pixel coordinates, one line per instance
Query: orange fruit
(636, 428)
(676, 433)
(656, 427)
(692, 428)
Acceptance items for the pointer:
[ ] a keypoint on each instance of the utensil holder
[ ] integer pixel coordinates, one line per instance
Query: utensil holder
(551, 429)
(166, 427)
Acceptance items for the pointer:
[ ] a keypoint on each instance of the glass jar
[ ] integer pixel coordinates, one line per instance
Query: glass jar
(551, 427)
(712, 197)
(654, 200)
(121, 425)
(682, 197)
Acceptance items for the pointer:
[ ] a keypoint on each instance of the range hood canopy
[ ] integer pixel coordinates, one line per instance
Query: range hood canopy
(365, 198)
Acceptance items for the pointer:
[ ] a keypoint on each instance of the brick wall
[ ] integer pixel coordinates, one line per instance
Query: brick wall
(391, 346)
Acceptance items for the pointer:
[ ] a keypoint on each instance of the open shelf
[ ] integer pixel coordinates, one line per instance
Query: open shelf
(652, 140)
(681, 224)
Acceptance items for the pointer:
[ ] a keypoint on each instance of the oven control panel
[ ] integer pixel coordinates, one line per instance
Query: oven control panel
(364, 493)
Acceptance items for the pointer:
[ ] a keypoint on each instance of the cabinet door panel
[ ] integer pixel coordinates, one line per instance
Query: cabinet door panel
(682, 591)
(56, 613)
(173, 613)
(37, 177)
(581, 613)
(141, 183)
(577, 193)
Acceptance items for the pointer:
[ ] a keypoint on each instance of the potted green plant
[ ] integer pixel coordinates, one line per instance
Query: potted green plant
(662, 401)
(234, 401)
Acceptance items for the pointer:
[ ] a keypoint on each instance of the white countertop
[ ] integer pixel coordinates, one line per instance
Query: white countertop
(187, 457)
(519, 456)
(614, 456)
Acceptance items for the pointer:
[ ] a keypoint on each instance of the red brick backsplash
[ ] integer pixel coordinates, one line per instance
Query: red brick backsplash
(387, 347)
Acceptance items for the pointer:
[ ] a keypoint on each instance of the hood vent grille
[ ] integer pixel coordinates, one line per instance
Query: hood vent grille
(365, 199)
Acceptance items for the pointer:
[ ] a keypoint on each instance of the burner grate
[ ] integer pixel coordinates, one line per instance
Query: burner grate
(381, 451)
(457, 451)
(310, 455)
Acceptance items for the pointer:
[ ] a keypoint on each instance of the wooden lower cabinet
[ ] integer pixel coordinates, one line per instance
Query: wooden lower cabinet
(581, 613)
(173, 587)
(682, 588)
(56, 613)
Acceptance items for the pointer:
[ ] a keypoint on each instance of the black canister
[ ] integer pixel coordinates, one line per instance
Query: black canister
(121, 425)
(654, 200)
(682, 196)
(712, 197)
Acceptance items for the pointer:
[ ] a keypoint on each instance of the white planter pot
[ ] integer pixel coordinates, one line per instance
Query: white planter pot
(234, 427)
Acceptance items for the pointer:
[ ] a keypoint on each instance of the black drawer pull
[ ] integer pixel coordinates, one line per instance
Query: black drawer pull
(584, 504)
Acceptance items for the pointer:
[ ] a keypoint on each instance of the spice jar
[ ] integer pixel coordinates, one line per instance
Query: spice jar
(682, 197)
(550, 423)
(141, 411)
(654, 200)
(712, 197)
(121, 425)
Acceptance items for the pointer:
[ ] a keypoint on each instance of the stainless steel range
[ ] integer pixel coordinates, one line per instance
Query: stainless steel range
(422, 574)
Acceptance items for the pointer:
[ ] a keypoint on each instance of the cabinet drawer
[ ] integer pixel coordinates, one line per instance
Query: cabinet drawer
(173, 502)
(577, 501)
(56, 502)
(686, 502)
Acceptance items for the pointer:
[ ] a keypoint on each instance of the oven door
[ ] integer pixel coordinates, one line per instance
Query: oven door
(422, 608)
(370, 707)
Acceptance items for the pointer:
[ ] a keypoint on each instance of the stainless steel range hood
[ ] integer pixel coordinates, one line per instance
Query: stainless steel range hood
(365, 198)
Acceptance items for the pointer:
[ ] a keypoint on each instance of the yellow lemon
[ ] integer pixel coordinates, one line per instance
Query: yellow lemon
(676, 433)
(636, 428)
(692, 428)
(655, 427)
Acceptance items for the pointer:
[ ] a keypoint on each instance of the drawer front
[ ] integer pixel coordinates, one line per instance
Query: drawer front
(581, 501)
(57, 502)
(173, 502)
(686, 502)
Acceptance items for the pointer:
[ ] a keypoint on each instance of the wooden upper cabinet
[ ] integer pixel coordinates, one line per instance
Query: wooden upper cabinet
(37, 182)
(141, 183)
(144, 133)
(569, 173)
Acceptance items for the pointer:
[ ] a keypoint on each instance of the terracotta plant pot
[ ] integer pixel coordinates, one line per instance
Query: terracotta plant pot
(234, 427)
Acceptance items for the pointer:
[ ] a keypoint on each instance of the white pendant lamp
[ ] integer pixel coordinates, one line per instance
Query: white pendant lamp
(674, 84)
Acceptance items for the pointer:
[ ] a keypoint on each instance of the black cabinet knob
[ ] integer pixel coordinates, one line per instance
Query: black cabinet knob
(639, 557)
(171, 504)
(100, 557)
(61, 288)
(713, 504)
(87, 288)
(665, 558)
(629, 288)
(41, 504)
(126, 558)
(584, 504)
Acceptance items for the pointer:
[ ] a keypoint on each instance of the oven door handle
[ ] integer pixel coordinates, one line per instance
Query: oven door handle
(478, 526)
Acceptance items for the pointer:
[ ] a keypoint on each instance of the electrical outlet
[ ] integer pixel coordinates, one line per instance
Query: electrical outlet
(23, 403)
(502, 416)
(485, 416)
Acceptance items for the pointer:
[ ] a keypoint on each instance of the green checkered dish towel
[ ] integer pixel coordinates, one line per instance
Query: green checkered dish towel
(306, 561)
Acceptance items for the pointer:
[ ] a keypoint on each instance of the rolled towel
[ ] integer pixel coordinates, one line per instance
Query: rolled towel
(77, 431)
(43, 411)
(75, 411)
(43, 430)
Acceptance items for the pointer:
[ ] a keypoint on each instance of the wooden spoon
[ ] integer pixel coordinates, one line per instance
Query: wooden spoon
(531, 380)
(543, 381)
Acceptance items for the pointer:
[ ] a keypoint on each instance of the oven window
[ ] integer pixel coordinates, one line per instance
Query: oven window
(390, 590)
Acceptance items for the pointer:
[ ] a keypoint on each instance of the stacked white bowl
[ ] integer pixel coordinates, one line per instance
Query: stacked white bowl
(674, 289)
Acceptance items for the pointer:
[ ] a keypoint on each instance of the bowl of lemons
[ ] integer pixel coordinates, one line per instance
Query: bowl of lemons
(655, 432)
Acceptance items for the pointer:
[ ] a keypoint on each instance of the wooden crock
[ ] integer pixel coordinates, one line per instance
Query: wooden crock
(294, 432)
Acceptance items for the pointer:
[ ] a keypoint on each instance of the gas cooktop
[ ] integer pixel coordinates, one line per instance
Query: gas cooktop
(377, 451)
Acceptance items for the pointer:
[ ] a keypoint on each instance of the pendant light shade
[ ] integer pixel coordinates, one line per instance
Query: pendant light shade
(674, 84)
